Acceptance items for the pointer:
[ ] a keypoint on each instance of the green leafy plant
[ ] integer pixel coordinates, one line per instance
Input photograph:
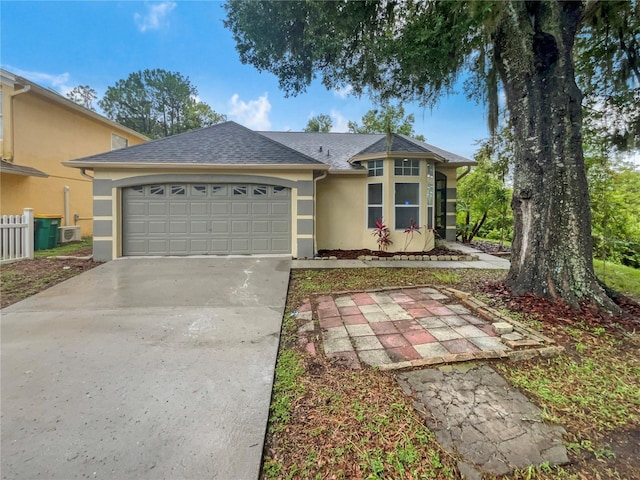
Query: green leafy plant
(383, 234)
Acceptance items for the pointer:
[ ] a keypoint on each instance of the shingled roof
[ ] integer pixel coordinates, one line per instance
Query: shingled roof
(338, 149)
(223, 144)
(232, 144)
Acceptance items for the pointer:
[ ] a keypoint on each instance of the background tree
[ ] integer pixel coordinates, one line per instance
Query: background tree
(83, 95)
(417, 50)
(157, 103)
(483, 195)
(319, 123)
(389, 119)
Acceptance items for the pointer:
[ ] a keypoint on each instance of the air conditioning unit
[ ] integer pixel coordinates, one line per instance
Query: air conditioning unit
(69, 234)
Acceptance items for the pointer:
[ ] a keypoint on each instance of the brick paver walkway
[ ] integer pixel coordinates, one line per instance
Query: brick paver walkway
(400, 326)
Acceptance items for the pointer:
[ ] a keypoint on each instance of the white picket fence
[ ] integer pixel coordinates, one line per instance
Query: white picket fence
(16, 237)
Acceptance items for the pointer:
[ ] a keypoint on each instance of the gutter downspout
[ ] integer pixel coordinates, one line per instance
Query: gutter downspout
(83, 172)
(66, 206)
(315, 217)
(24, 89)
(463, 174)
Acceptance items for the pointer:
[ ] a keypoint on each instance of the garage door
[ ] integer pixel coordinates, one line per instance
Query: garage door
(202, 219)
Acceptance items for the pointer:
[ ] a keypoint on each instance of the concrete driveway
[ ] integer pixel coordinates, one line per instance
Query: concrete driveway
(143, 368)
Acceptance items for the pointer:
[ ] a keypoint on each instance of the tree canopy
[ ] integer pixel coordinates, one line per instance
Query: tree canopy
(416, 50)
(83, 95)
(389, 119)
(319, 123)
(157, 103)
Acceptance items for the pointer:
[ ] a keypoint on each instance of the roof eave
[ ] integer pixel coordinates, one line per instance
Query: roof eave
(9, 168)
(190, 166)
(396, 154)
(338, 171)
(56, 97)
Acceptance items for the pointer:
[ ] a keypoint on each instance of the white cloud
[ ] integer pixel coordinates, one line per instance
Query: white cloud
(253, 114)
(154, 17)
(55, 81)
(343, 92)
(339, 122)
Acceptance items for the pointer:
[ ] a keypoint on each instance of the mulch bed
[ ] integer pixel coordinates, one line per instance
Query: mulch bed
(354, 254)
(490, 247)
(561, 312)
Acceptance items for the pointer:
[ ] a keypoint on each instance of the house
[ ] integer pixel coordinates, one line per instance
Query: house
(226, 189)
(39, 129)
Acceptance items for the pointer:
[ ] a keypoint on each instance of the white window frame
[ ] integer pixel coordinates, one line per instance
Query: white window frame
(117, 141)
(375, 205)
(375, 168)
(396, 206)
(406, 166)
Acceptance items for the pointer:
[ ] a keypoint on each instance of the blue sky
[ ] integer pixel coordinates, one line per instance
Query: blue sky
(61, 44)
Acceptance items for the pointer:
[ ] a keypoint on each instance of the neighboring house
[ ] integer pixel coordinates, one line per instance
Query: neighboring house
(39, 129)
(226, 189)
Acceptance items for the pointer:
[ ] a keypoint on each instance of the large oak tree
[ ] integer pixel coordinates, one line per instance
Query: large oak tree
(417, 50)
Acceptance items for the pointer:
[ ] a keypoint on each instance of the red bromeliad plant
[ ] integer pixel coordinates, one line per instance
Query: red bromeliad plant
(384, 235)
(411, 229)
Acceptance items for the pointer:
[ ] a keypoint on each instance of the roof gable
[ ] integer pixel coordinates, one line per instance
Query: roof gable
(397, 144)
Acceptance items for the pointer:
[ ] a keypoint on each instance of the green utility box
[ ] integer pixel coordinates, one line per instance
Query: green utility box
(46, 231)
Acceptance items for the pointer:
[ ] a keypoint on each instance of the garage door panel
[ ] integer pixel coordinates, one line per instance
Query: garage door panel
(260, 226)
(199, 226)
(199, 246)
(158, 247)
(220, 209)
(189, 219)
(260, 208)
(137, 208)
(240, 245)
(239, 226)
(238, 208)
(279, 208)
(136, 227)
(178, 209)
(178, 227)
(260, 245)
(220, 246)
(157, 227)
(179, 246)
(156, 208)
(280, 245)
(137, 247)
(220, 227)
(279, 226)
(198, 208)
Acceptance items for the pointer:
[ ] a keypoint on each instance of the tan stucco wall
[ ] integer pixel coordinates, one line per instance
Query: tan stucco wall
(341, 210)
(341, 213)
(45, 134)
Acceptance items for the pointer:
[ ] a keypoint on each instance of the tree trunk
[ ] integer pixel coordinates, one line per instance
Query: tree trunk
(552, 247)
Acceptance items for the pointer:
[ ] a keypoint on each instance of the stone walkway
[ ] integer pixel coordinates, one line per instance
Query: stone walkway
(475, 413)
(414, 327)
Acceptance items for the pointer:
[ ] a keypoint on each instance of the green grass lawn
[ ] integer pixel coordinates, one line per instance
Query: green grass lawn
(65, 249)
(624, 279)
